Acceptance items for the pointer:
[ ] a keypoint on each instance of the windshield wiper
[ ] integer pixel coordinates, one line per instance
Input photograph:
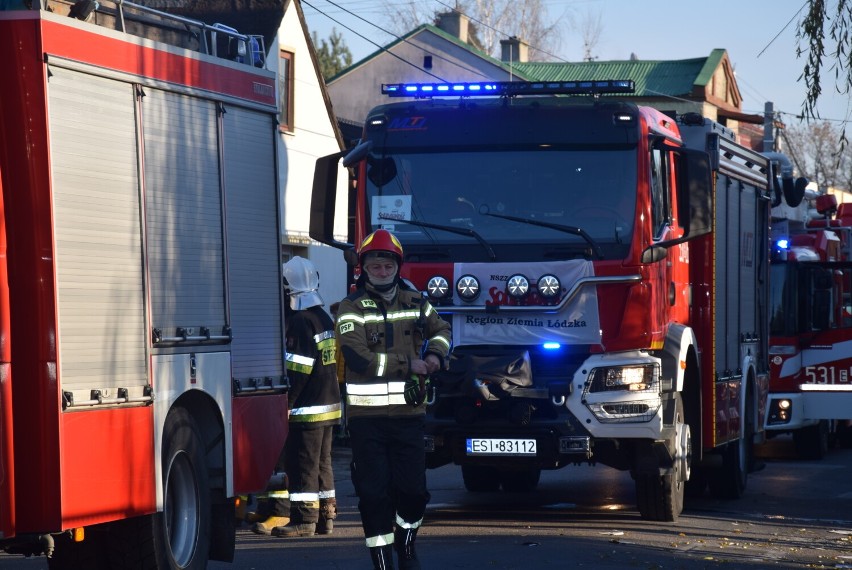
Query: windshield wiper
(558, 227)
(451, 229)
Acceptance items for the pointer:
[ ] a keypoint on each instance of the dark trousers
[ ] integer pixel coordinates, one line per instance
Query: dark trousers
(388, 472)
(307, 457)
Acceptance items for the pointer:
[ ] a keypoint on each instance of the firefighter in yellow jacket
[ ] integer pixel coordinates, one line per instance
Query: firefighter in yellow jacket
(391, 339)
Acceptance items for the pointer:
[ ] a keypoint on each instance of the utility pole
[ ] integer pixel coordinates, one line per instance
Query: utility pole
(769, 127)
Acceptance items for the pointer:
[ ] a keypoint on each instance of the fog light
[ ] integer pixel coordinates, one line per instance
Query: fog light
(518, 286)
(467, 287)
(549, 286)
(438, 288)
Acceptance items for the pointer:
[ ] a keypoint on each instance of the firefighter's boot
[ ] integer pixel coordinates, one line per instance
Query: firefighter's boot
(294, 530)
(403, 543)
(263, 510)
(327, 514)
(271, 522)
(382, 557)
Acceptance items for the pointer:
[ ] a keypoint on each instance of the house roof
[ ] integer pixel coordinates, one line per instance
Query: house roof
(679, 78)
(423, 28)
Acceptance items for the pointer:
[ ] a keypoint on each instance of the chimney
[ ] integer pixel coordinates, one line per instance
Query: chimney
(514, 50)
(454, 23)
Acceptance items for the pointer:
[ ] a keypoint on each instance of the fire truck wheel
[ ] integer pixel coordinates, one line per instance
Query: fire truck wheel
(729, 481)
(182, 532)
(660, 497)
(479, 479)
(812, 442)
(179, 537)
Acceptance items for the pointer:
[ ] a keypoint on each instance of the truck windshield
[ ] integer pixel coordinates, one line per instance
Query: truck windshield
(494, 193)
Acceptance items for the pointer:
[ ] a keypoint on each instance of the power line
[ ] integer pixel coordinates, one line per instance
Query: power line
(382, 48)
(784, 28)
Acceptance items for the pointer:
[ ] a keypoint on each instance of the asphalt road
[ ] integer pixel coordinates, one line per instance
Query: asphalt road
(794, 514)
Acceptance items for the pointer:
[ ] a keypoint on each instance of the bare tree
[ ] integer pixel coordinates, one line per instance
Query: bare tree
(590, 28)
(818, 156)
(491, 21)
(826, 31)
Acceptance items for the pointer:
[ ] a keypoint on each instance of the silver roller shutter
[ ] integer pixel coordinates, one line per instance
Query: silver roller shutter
(100, 295)
(183, 213)
(254, 274)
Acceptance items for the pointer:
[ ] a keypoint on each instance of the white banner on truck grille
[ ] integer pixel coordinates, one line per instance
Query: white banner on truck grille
(577, 323)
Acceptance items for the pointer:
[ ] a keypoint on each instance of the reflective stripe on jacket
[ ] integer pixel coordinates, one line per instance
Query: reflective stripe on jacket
(379, 340)
(312, 368)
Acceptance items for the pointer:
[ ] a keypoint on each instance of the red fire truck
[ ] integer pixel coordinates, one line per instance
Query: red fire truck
(142, 385)
(810, 390)
(605, 270)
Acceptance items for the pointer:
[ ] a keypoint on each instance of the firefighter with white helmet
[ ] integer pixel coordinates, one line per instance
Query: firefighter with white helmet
(391, 339)
(314, 399)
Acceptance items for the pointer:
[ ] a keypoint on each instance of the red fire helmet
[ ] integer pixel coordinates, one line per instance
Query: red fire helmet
(381, 241)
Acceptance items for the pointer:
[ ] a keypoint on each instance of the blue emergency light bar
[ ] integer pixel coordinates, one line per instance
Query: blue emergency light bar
(506, 88)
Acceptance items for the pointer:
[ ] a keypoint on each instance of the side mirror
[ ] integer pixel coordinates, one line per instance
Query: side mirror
(695, 192)
(350, 256)
(357, 154)
(654, 253)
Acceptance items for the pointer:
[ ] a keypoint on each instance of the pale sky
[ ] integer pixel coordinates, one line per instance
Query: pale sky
(759, 35)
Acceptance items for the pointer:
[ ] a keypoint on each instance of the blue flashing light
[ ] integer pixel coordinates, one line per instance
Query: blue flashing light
(783, 243)
(551, 346)
(508, 88)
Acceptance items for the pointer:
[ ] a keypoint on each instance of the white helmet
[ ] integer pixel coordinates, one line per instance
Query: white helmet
(301, 281)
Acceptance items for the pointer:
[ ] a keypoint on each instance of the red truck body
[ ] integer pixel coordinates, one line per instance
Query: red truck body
(811, 324)
(141, 362)
(604, 267)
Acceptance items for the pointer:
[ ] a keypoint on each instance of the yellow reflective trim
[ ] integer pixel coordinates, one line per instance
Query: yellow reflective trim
(375, 401)
(309, 418)
(294, 367)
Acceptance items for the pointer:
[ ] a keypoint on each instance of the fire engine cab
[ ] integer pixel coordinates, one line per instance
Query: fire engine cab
(604, 267)
(811, 322)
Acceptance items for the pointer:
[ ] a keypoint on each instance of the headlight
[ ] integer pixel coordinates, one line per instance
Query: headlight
(438, 288)
(549, 286)
(518, 286)
(467, 287)
(628, 378)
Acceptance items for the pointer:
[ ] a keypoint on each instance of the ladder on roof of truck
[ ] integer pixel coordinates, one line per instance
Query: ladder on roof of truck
(242, 48)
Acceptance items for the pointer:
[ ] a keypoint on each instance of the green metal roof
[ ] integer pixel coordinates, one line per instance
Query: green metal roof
(652, 78)
(673, 78)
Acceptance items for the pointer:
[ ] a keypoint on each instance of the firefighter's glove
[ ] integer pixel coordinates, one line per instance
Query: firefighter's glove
(415, 390)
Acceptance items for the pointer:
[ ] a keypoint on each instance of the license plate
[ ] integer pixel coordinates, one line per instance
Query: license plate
(501, 447)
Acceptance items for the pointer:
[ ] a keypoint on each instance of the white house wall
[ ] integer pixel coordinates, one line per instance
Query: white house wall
(313, 136)
(354, 94)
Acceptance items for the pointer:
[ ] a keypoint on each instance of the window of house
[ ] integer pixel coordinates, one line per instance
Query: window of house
(285, 90)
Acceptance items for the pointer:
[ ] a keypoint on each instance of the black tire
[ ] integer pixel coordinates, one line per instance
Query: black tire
(478, 479)
(520, 481)
(812, 442)
(660, 497)
(179, 537)
(730, 481)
